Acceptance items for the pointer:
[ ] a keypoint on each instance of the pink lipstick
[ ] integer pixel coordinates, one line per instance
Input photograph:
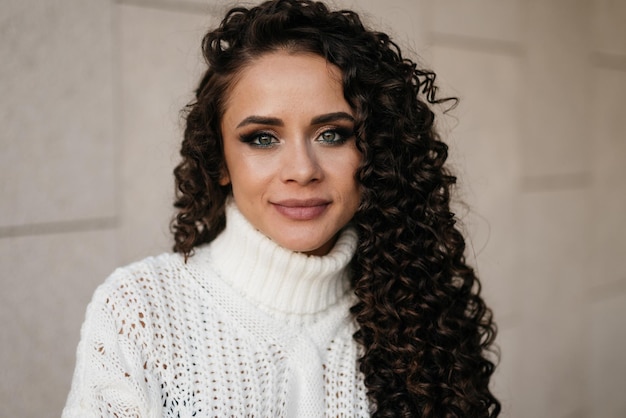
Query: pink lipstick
(301, 210)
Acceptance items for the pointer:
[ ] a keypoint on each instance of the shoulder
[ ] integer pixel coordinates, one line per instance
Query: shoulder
(149, 272)
(160, 282)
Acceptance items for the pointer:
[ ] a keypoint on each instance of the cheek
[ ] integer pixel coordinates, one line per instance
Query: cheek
(347, 176)
(247, 173)
(355, 163)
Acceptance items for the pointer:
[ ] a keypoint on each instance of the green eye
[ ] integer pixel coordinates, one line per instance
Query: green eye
(334, 136)
(330, 136)
(260, 140)
(264, 140)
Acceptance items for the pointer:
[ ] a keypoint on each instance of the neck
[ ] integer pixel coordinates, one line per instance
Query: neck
(277, 278)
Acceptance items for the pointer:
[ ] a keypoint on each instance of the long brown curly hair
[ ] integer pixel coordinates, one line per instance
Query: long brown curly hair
(425, 331)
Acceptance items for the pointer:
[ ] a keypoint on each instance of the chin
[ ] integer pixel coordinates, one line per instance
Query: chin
(300, 248)
(297, 244)
(319, 247)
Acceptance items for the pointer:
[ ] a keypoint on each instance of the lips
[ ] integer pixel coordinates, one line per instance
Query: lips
(301, 210)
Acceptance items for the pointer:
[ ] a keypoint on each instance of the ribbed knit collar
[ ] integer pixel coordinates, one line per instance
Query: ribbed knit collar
(276, 278)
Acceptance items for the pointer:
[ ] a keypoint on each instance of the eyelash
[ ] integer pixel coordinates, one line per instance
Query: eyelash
(343, 133)
(253, 138)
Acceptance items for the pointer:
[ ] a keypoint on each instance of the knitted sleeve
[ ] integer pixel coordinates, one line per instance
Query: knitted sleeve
(109, 379)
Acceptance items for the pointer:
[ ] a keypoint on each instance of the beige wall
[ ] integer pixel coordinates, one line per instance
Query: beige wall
(89, 101)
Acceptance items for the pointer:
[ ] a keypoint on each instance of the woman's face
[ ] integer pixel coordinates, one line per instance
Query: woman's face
(290, 150)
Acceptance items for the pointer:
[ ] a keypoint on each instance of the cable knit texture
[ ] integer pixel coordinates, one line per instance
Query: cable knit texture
(245, 328)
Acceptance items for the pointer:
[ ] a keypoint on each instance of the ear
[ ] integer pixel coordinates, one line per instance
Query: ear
(224, 177)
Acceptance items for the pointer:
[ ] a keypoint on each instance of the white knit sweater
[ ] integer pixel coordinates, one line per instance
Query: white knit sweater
(244, 328)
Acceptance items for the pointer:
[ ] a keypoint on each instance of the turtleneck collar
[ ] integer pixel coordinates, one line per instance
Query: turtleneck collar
(276, 278)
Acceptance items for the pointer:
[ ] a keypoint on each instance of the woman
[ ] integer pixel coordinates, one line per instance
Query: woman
(317, 268)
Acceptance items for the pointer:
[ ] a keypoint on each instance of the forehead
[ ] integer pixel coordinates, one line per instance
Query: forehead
(283, 60)
(288, 79)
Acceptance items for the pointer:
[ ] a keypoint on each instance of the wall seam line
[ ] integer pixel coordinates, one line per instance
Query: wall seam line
(61, 227)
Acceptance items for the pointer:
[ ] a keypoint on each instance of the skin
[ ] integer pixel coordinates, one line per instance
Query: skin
(290, 151)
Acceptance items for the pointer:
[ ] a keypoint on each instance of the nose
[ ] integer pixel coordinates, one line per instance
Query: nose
(300, 164)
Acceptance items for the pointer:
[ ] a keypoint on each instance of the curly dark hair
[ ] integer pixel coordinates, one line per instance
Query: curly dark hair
(425, 331)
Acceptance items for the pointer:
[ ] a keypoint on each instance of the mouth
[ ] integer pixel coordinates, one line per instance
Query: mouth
(301, 210)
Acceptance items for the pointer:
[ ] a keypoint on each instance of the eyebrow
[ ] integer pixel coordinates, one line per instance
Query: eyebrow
(260, 120)
(317, 120)
(331, 117)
